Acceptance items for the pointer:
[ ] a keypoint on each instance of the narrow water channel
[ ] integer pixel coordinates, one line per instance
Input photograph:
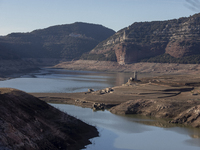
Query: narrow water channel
(128, 133)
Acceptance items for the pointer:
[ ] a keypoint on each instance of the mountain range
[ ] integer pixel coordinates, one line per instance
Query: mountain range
(67, 41)
(170, 41)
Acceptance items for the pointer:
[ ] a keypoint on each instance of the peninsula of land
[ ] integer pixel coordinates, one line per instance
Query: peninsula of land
(175, 97)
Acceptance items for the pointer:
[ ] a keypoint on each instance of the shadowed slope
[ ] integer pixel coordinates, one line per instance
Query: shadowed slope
(29, 123)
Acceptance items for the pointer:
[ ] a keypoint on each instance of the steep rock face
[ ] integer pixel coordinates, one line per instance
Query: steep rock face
(178, 37)
(128, 53)
(29, 123)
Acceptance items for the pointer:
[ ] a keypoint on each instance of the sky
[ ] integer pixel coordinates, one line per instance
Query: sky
(28, 15)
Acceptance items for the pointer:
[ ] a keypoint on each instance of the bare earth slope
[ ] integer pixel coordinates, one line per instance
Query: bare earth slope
(161, 68)
(29, 123)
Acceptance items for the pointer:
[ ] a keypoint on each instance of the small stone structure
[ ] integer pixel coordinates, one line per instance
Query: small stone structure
(98, 106)
(90, 90)
(132, 80)
(106, 90)
(80, 101)
(135, 76)
(99, 92)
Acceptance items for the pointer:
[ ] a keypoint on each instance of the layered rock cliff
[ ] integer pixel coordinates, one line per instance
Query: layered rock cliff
(141, 40)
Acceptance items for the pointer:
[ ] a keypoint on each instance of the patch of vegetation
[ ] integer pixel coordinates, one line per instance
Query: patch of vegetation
(109, 56)
(5, 54)
(57, 41)
(166, 58)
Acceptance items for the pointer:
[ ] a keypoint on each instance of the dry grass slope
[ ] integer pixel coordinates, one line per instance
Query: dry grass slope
(29, 123)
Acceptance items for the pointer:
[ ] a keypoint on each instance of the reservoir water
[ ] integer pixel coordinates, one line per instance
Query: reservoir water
(61, 81)
(130, 132)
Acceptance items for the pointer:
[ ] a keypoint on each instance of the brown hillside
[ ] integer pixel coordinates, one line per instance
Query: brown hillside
(29, 123)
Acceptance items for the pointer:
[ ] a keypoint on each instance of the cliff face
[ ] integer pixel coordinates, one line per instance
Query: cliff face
(129, 52)
(178, 38)
(29, 123)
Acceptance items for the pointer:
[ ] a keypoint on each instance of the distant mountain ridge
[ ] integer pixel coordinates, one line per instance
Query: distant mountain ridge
(176, 40)
(67, 41)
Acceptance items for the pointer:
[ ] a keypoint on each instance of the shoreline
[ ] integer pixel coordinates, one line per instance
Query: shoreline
(168, 96)
(169, 92)
(153, 69)
(143, 67)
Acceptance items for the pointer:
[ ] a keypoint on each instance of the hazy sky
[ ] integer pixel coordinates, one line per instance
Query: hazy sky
(28, 15)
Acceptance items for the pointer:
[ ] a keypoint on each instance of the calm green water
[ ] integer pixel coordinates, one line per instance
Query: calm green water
(116, 132)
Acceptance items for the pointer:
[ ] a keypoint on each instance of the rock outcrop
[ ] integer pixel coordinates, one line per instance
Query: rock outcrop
(98, 106)
(142, 40)
(189, 117)
(146, 107)
(162, 109)
(29, 123)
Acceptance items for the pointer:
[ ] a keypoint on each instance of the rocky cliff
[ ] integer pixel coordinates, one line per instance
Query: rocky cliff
(142, 40)
(29, 123)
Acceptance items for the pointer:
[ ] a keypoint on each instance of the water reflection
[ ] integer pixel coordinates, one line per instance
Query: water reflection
(102, 143)
(119, 132)
(65, 81)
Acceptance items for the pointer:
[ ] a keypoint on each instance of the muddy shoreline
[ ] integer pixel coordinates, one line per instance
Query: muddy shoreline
(175, 97)
(142, 67)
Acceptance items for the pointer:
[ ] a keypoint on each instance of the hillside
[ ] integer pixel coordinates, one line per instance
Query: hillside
(11, 63)
(67, 41)
(29, 123)
(6, 54)
(177, 38)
